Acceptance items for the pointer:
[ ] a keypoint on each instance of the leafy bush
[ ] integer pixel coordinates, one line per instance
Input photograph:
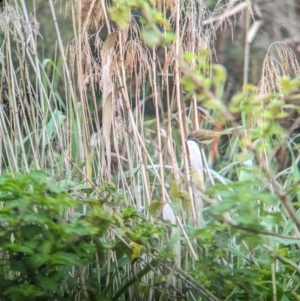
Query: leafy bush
(49, 252)
(46, 250)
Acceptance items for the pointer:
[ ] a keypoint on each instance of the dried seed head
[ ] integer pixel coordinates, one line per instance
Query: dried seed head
(91, 13)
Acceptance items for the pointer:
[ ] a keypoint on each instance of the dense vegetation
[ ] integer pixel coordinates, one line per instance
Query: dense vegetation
(101, 195)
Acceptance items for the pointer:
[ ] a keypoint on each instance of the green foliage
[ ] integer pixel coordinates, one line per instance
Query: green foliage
(44, 251)
(48, 253)
(150, 19)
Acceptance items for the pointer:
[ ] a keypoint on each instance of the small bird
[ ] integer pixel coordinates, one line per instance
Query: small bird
(205, 137)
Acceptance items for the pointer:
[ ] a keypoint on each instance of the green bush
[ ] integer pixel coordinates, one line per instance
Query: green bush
(45, 249)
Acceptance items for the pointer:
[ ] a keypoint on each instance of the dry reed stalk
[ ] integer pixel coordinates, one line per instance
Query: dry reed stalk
(158, 128)
(82, 146)
(227, 11)
(179, 105)
(137, 138)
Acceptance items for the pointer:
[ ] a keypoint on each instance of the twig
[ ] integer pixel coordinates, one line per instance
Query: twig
(282, 258)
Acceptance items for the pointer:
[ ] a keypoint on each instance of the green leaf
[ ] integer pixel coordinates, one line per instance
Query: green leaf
(286, 241)
(29, 231)
(169, 37)
(136, 250)
(175, 193)
(143, 289)
(223, 206)
(151, 37)
(220, 72)
(54, 125)
(51, 282)
(62, 258)
(120, 15)
(24, 291)
(155, 207)
(222, 239)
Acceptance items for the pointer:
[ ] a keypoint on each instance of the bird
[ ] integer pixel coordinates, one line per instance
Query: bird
(205, 137)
